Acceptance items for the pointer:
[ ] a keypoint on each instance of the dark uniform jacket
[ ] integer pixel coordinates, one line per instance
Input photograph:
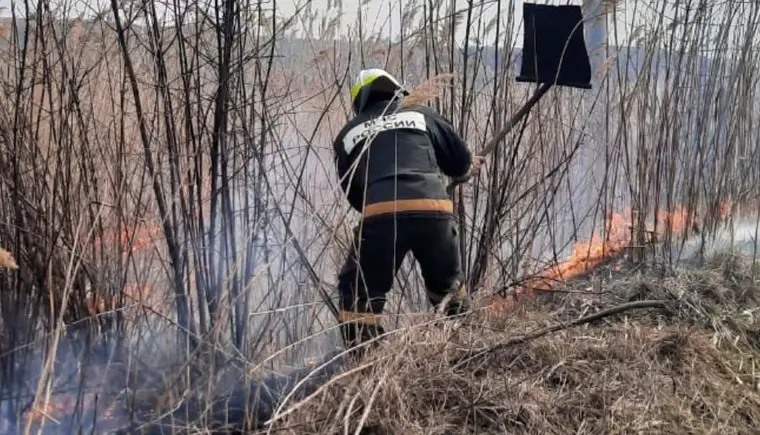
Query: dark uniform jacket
(393, 160)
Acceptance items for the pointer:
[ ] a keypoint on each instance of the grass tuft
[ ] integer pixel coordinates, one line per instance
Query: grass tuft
(690, 368)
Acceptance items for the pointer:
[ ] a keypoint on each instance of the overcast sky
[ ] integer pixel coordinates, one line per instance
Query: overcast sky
(384, 15)
(381, 16)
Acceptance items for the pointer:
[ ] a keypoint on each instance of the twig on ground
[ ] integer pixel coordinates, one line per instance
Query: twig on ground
(470, 356)
(368, 406)
(279, 415)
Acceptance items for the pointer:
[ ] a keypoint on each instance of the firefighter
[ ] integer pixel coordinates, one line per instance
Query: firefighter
(391, 163)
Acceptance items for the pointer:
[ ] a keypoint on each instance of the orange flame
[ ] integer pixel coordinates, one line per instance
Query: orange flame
(52, 410)
(132, 240)
(132, 293)
(587, 255)
(140, 237)
(61, 407)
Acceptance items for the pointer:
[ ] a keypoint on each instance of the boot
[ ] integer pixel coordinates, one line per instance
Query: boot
(355, 334)
(453, 304)
(456, 307)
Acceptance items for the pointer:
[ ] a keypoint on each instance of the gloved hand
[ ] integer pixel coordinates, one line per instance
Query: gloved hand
(477, 163)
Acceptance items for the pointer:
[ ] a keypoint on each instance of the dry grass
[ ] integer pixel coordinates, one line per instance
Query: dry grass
(6, 260)
(687, 369)
(427, 90)
(638, 130)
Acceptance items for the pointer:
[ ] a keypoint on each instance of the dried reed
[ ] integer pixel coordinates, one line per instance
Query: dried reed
(427, 90)
(6, 260)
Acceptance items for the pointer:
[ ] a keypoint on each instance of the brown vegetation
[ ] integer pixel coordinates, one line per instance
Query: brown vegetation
(175, 178)
(688, 366)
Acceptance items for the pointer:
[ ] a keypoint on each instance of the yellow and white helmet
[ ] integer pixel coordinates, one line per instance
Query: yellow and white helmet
(370, 81)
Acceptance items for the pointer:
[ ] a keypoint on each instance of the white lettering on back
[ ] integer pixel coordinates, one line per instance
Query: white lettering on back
(398, 121)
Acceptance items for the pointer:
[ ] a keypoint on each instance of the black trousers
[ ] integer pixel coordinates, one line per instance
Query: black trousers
(379, 247)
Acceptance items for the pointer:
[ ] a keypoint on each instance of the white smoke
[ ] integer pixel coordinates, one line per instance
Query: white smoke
(739, 237)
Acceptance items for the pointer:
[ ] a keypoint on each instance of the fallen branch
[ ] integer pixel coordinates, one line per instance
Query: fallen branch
(559, 327)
